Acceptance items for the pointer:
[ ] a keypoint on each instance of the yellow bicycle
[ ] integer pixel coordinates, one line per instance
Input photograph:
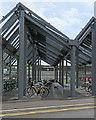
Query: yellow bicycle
(42, 90)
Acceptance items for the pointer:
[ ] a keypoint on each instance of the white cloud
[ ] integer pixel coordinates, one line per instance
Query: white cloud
(72, 12)
(67, 19)
(64, 21)
(0, 9)
(32, 6)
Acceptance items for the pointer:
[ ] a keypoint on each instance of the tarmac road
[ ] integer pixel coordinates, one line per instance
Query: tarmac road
(78, 111)
(89, 113)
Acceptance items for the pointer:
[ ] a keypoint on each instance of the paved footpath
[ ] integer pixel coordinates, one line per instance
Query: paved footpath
(10, 100)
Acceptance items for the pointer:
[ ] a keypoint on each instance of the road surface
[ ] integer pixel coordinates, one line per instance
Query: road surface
(76, 111)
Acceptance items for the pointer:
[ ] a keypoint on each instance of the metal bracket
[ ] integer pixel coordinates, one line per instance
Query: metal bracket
(73, 42)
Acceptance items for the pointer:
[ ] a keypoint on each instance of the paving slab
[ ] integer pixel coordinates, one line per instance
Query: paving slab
(10, 99)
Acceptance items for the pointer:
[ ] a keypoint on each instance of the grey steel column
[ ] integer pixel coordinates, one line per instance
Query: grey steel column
(56, 72)
(1, 70)
(17, 72)
(66, 72)
(10, 68)
(72, 82)
(77, 69)
(85, 73)
(35, 70)
(28, 71)
(60, 72)
(63, 72)
(22, 57)
(33, 65)
(38, 70)
(94, 58)
(31, 72)
(25, 58)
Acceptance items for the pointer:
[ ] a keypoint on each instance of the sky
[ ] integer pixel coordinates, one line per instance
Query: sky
(69, 16)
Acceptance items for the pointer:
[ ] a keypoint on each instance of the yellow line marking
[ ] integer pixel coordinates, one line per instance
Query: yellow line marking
(45, 107)
(47, 111)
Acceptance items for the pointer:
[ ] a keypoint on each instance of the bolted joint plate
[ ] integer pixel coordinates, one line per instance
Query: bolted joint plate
(73, 43)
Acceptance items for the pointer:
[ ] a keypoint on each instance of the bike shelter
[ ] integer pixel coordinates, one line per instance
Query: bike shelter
(26, 39)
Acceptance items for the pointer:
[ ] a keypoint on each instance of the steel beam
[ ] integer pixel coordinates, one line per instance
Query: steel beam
(15, 41)
(84, 29)
(13, 36)
(51, 55)
(9, 13)
(53, 44)
(6, 57)
(82, 61)
(14, 61)
(94, 58)
(51, 49)
(47, 32)
(48, 60)
(72, 82)
(43, 22)
(22, 57)
(87, 46)
(83, 57)
(47, 57)
(54, 50)
(84, 35)
(11, 30)
(83, 49)
(84, 45)
(9, 23)
(85, 54)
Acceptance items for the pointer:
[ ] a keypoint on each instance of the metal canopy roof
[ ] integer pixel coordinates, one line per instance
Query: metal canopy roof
(84, 39)
(50, 44)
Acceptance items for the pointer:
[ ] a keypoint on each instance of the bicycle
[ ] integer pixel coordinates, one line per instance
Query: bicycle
(39, 89)
(90, 88)
(9, 85)
(87, 86)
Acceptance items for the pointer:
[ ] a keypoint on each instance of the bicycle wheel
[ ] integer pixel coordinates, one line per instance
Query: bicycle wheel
(44, 92)
(31, 91)
(90, 90)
